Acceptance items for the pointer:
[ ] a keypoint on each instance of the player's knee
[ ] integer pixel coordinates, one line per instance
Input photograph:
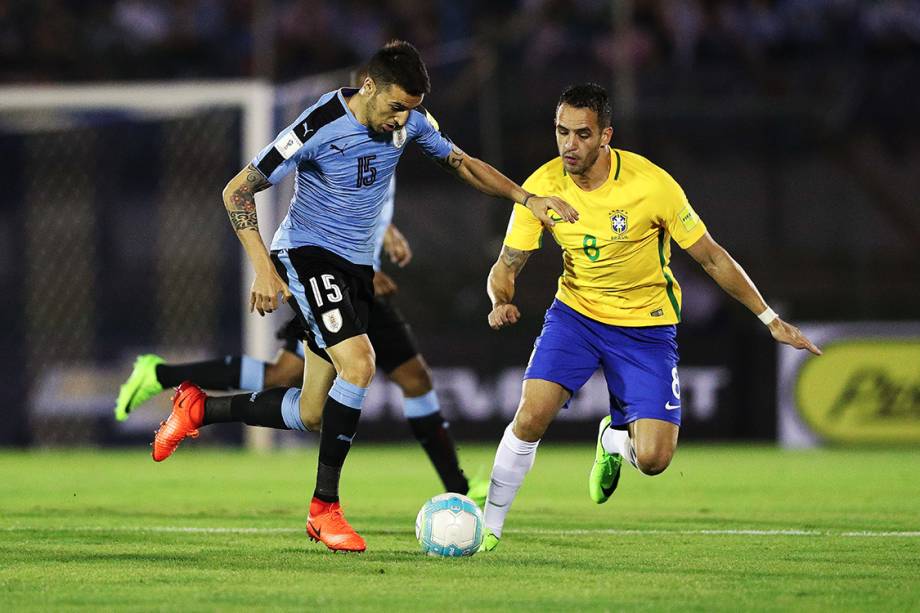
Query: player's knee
(359, 370)
(653, 461)
(528, 426)
(413, 378)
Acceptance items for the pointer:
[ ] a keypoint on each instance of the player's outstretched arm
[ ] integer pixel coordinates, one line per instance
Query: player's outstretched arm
(500, 286)
(489, 180)
(720, 265)
(240, 202)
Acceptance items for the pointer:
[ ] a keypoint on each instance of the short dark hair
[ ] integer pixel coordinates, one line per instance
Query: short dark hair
(399, 63)
(588, 96)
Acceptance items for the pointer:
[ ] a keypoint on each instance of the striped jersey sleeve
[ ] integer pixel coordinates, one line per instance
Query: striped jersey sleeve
(293, 145)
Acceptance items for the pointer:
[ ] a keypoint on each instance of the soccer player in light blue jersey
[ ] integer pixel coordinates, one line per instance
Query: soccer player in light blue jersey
(344, 149)
(397, 355)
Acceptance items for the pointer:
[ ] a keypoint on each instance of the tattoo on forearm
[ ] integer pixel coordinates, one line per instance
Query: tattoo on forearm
(241, 203)
(514, 258)
(453, 161)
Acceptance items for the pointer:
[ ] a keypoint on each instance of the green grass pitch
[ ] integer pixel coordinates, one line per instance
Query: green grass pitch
(724, 528)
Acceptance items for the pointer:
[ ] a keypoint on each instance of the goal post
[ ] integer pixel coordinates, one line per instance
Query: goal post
(24, 108)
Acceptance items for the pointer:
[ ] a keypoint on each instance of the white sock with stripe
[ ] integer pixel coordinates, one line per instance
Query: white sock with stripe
(618, 441)
(513, 460)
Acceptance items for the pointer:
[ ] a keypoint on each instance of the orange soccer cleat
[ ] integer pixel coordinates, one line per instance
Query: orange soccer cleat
(186, 417)
(328, 525)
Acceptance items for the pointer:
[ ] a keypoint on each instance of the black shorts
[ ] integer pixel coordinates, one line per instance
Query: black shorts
(330, 295)
(392, 338)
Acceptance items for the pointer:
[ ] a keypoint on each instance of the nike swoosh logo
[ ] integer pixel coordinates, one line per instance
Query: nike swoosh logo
(613, 486)
(330, 540)
(555, 218)
(671, 407)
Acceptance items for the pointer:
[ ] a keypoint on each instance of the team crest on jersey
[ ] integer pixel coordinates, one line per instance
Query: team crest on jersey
(332, 320)
(399, 137)
(619, 223)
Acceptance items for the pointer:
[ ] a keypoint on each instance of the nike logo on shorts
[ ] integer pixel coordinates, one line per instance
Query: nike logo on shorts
(671, 407)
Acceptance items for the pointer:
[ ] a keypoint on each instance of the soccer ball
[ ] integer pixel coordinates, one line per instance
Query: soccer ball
(449, 525)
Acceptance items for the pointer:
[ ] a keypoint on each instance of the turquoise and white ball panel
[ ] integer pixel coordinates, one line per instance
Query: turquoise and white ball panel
(449, 525)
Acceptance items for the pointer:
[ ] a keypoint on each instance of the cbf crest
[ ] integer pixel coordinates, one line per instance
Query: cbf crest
(619, 223)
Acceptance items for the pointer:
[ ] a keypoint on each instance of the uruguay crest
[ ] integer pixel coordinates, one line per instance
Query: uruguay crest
(399, 137)
(619, 223)
(332, 320)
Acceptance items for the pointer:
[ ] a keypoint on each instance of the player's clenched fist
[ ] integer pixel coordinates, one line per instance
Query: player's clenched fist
(263, 296)
(504, 315)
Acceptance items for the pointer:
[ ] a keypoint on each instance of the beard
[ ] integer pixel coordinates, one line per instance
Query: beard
(586, 164)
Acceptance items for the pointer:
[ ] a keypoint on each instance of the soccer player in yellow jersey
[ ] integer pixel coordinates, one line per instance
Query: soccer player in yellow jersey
(617, 303)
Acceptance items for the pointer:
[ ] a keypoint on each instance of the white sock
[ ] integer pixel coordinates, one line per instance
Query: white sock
(513, 461)
(618, 441)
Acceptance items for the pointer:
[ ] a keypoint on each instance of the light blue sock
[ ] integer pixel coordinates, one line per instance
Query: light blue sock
(252, 374)
(421, 406)
(347, 393)
(290, 410)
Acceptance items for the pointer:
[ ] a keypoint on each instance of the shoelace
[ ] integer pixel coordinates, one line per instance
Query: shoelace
(337, 519)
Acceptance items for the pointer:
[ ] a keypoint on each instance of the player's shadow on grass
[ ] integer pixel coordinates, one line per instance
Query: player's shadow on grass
(373, 555)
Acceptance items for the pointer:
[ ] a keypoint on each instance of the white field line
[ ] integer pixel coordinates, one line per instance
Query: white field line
(532, 532)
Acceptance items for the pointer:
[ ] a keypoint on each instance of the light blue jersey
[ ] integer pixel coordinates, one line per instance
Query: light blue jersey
(343, 175)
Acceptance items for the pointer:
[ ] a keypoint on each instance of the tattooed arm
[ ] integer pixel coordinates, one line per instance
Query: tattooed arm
(501, 286)
(488, 180)
(240, 198)
(240, 202)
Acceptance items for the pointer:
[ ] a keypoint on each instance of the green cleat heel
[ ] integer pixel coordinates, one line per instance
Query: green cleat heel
(605, 473)
(140, 387)
(479, 491)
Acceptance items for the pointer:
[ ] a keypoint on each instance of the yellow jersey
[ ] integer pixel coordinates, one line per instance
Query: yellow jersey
(615, 257)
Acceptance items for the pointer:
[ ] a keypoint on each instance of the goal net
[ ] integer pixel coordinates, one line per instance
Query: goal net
(120, 239)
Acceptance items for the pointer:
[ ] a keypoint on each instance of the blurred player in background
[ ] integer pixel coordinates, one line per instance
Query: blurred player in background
(617, 305)
(397, 355)
(345, 148)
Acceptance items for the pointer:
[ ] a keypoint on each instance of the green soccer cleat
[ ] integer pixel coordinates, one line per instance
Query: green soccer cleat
(479, 491)
(140, 387)
(489, 542)
(605, 474)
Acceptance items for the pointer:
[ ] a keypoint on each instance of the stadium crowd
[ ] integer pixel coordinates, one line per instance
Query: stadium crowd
(67, 40)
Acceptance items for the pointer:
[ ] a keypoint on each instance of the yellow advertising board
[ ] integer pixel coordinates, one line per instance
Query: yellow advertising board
(864, 389)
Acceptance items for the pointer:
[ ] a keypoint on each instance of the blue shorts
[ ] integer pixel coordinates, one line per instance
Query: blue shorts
(640, 363)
